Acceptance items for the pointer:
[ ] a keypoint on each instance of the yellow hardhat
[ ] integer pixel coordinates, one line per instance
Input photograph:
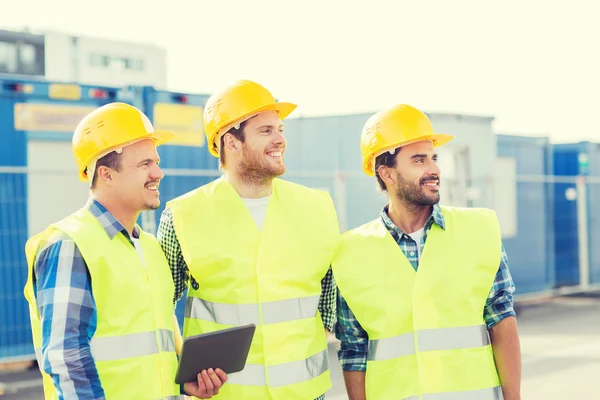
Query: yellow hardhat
(236, 103)
(395, 127)
(108, 128)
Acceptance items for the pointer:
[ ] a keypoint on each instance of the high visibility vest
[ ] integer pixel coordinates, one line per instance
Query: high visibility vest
(427, 335)
(133, 346)
(271, 278)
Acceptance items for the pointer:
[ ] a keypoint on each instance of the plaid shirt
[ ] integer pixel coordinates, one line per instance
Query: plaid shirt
(354, 339)
(181, 274)
(67, 310)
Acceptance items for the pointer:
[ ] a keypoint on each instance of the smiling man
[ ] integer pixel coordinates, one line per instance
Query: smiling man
(99, 288)
(256, 249)
(425, 294)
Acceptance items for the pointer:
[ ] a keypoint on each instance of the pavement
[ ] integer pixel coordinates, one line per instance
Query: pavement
(560, 345)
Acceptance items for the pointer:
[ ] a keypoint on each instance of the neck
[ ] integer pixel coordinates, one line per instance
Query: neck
(250, 189)
(408, 217)
(123, 214)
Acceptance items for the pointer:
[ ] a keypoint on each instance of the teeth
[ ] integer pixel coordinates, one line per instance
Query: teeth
(153, 187)
(275, 154)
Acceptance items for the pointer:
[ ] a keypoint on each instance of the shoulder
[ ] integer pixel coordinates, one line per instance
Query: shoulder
(469, 212)
(370, 229)
(309, 193)
(54, 249)
(189, 196)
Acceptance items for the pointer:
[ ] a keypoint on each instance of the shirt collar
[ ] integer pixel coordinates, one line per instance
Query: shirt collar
(436, 217)
(110, 224)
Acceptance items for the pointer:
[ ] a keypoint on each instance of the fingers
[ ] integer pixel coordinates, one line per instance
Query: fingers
(216, 381)
(221, 374)
(207, 383)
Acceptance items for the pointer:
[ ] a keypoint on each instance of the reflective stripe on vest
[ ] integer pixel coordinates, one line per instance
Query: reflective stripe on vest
(127, 346)
(283, 374)
(243, 314)
(428, 340)
(494, 393)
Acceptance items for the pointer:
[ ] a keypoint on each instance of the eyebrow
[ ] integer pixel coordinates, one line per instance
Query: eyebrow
(268, 126)
(421, 155)
(157, 160)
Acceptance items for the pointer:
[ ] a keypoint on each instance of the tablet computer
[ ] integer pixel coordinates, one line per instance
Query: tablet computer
(226, 349)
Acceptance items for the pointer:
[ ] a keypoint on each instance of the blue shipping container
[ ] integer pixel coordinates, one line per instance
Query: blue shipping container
(572, 160)
(530, 252)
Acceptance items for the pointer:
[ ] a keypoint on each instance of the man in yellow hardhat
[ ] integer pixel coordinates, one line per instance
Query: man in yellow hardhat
(99, 288)
(256, 249)
(420, 320)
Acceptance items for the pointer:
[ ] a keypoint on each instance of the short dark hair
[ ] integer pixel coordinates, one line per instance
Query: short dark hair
(111, 160)
(238, 134)
(388, 160)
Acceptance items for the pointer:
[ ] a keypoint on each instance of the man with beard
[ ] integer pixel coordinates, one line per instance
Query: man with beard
(99, 288)
(423, 321)
(256, 249)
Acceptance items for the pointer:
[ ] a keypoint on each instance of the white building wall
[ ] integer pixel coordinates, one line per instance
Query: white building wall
(58, 55)
(96, 61)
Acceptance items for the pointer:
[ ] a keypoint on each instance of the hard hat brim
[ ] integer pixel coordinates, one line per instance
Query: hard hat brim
(282, 109)
(438, 139)
(162, 137)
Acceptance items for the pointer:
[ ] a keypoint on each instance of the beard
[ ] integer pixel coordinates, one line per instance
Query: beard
(256, 170)
(415, 195)
(151, 206)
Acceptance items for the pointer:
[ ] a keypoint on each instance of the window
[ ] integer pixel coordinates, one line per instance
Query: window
(21, 53)
(135, 64)
(8, 57)
(98, 60)
(27, 58)
(116, 63)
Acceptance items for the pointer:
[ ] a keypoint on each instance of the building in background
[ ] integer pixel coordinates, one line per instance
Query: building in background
(60, 57)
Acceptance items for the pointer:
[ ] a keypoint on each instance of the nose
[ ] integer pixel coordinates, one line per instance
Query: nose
(433, 168)
(157, 173)
(279, 139)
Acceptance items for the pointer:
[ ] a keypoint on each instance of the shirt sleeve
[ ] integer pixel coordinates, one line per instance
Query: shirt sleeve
(168, 240)
(68, 321)
(354, 340)
(327, 301)
(500, 303)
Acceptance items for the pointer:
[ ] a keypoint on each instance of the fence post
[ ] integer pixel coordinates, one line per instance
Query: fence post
(339, 185)
(582, 233)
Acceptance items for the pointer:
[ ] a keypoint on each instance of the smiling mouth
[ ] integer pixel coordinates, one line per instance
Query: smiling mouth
(275, 154)
(432, 184)
(152, 188)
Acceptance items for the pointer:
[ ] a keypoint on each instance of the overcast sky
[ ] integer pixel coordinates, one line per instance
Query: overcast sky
(533, 65)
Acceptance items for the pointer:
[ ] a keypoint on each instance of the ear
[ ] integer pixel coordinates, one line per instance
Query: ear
(386, 175)
(105, 174)
(232, 144)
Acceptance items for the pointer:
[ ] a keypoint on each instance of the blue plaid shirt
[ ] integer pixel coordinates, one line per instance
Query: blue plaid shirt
(354, 339)
(67, 310)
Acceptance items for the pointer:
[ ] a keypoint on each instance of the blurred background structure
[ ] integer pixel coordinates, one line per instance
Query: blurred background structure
(546, 192)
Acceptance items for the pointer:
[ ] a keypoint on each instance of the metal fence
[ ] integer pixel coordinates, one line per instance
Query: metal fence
(550, 226)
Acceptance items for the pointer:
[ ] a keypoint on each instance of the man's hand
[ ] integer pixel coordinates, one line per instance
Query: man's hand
(208, 384)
